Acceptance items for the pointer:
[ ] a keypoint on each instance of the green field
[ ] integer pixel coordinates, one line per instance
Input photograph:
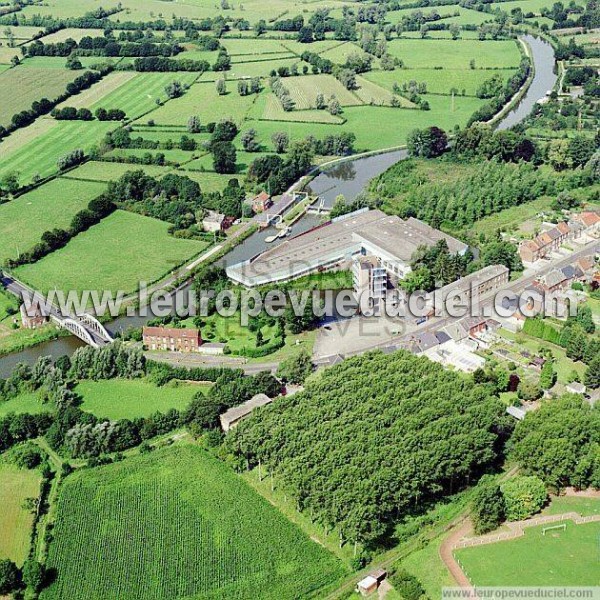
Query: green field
(39, 155)
(53, 205)
(439, 81)
(15, 522)
(29, 84)
(570, 557)
(450, 54)
(203, 100)
(129, 399)
(109, 171)
(138, 95)
(177, 523)
(116, 254)
(27, 402)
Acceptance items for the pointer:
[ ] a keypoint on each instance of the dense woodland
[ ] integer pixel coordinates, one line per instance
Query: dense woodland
(358, 452)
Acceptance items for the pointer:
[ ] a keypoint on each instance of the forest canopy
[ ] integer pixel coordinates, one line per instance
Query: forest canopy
(359, 450)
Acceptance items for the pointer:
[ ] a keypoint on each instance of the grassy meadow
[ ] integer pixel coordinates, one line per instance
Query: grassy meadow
(130, 399)
(117, 253)
(24, 219)
(16, 486)
(177, 523)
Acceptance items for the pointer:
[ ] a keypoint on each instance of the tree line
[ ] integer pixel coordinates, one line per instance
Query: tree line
(379, 446)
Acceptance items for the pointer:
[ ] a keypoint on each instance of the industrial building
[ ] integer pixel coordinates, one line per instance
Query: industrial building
(388, 240)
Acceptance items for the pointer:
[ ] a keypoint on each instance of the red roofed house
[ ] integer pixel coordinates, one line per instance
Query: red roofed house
(172, 339)
(261, 202)
(590, 220)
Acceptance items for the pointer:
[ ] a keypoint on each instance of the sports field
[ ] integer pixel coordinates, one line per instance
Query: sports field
(130, 399)
(15, 521)
(116, 254)
(53, 205)
(569, 557)
(177, 523)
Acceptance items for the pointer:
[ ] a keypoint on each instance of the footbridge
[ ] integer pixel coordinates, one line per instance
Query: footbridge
(85, 326)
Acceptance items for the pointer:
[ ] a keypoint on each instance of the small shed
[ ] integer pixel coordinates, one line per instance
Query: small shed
(516, 412)
(371, 582)
(576, 388)
(234, 415)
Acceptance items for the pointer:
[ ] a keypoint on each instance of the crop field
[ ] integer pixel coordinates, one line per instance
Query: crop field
(39, 155)
(203, 100)
(439, 81)
(209, 181)
(568, 557)
(340, 52)
(109, 171)
(29, 84)
(138, 95)
(177, 523)
(15, 521)
(451, 54)
(130, 399)
(95, 95)
(116, 254)
(53, 205)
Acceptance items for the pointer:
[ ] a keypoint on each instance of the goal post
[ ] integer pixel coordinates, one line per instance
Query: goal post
(562, 526)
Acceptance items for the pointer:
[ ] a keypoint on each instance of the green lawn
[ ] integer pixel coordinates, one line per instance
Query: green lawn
(570, 557)
(53, 205)
(450, 54)
(116, 254)
(178, 523)
(15, 522)
(27, 402)
(563, 504)
(129, 399)
(39, 155)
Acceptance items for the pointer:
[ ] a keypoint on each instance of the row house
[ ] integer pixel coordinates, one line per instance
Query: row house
(172, 339)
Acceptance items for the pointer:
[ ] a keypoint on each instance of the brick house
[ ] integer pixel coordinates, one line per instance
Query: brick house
(261, 202)
(546, 242)
(172, 339)
(590, 221)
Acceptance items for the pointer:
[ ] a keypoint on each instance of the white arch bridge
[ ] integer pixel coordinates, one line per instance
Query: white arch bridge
(86, 327)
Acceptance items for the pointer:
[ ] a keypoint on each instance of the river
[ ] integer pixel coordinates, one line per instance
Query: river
(348, 179)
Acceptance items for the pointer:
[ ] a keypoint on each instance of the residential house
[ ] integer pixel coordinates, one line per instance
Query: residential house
(590, 221)
(545, 243)
(172, 339)
(553, 280)
(32, 316)
(261, 202)
(213, 222)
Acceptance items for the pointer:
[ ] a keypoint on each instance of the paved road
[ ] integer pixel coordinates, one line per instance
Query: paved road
(360, 334)
(203, 360)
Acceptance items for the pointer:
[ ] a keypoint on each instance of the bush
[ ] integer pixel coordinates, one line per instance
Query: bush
(523, 497)
(487, 507)
(407, 585)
